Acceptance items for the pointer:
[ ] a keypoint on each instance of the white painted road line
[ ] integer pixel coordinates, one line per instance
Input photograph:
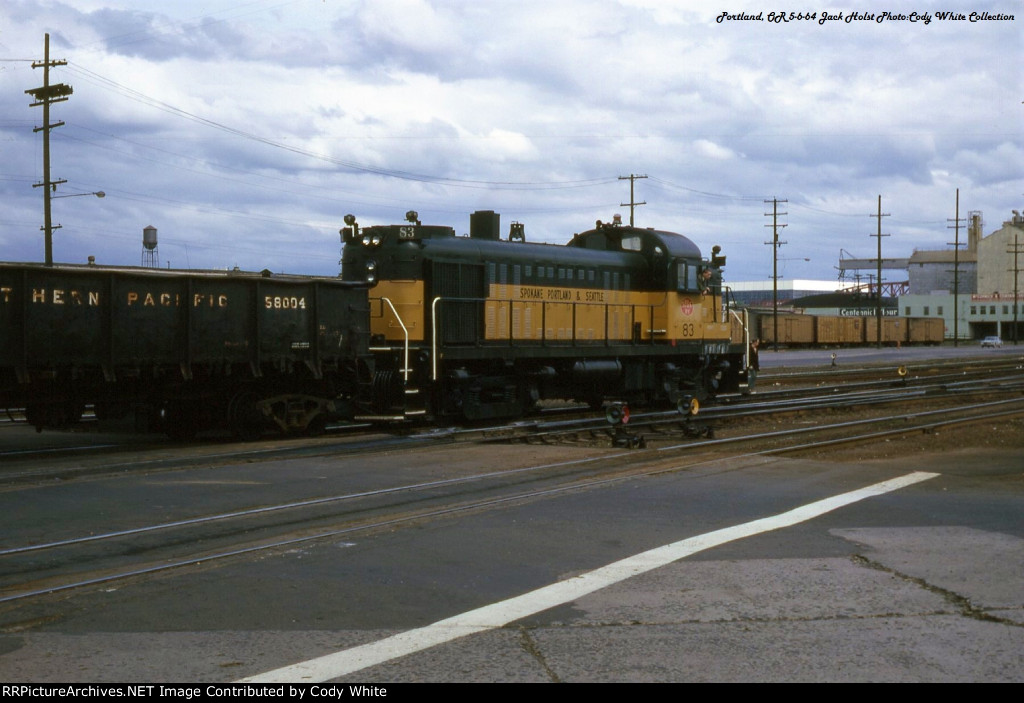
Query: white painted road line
(500, 614)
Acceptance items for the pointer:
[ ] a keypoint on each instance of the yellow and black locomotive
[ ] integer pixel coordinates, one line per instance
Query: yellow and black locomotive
(478, 327)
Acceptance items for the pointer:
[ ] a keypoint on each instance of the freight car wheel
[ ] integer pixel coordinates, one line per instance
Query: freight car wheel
(58, 415)
(317, 426)
(35, 415)
(110, 410)
(245, 417)
(179, 422)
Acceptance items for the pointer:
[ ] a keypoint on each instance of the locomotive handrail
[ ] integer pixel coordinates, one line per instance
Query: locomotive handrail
(405, 332)
(729, 305)
(433, 337)
(744, 323)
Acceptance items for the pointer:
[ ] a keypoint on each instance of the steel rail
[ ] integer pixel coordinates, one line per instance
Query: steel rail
(919, 365)
(837, 398)
(285, 506)
(849, 423)
(574, 486)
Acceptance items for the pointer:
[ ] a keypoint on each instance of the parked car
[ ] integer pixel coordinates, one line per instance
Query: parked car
(992, 341)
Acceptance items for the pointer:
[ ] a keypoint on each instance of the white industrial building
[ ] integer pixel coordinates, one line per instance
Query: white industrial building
(989, 299)
(760, 294)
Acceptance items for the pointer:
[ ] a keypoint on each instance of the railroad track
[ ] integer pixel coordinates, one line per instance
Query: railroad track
(878, 372)
(648, 426)
(572, 424)
(242, 527)
(100, 460)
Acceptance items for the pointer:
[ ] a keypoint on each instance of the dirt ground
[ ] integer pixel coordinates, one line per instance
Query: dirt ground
(999, 433)
(1002, 433)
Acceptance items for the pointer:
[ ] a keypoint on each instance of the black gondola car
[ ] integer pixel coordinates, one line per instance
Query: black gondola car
(186, 350)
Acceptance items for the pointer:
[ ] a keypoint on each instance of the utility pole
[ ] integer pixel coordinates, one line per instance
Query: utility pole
(956, 271)
(632, 178)
(1016, 293)
(775, 266)
(878, 280)
(46, 96)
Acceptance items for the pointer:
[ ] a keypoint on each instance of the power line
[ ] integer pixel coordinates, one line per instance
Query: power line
(688, 189)
(138, 96)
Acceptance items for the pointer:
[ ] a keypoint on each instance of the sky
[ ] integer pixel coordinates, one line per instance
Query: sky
(245, 131)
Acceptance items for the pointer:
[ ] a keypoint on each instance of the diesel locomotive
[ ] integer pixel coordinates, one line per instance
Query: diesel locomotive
(477, 327)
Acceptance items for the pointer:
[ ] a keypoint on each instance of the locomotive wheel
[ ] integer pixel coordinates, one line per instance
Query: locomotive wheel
(245, 417)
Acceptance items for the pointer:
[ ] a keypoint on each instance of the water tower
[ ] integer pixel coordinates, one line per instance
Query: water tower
(150, 253)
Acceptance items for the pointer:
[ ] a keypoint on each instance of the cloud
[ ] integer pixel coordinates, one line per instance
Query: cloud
(243, 130)
(711, 150)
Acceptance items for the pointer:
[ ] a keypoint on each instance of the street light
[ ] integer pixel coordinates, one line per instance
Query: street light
(98, 194)
(48, 227)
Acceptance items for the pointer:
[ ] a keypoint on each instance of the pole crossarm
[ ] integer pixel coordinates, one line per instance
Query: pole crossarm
(46, 95)
(775, 214)
(1016, 289)
(632, 178)
(878, 309)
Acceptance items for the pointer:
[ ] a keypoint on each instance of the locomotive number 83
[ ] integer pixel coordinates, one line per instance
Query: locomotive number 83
(475, 327)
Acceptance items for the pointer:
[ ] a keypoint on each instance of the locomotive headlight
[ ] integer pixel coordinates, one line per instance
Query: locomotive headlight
(371, 265)
(375, 240)
(365, 241)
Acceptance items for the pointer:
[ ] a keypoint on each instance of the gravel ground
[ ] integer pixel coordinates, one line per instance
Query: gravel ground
(1005, 433)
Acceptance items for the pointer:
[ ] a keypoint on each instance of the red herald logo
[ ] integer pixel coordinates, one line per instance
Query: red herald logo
(687, 307)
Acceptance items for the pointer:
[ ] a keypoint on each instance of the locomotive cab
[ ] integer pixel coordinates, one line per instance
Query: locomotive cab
(673, 260)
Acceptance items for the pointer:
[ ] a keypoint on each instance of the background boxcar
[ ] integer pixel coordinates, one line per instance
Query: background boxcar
(926, 330)
(832, 330)
(894, 330)
(794, 330)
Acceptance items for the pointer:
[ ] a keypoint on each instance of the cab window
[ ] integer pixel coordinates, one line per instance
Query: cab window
(686, 276)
